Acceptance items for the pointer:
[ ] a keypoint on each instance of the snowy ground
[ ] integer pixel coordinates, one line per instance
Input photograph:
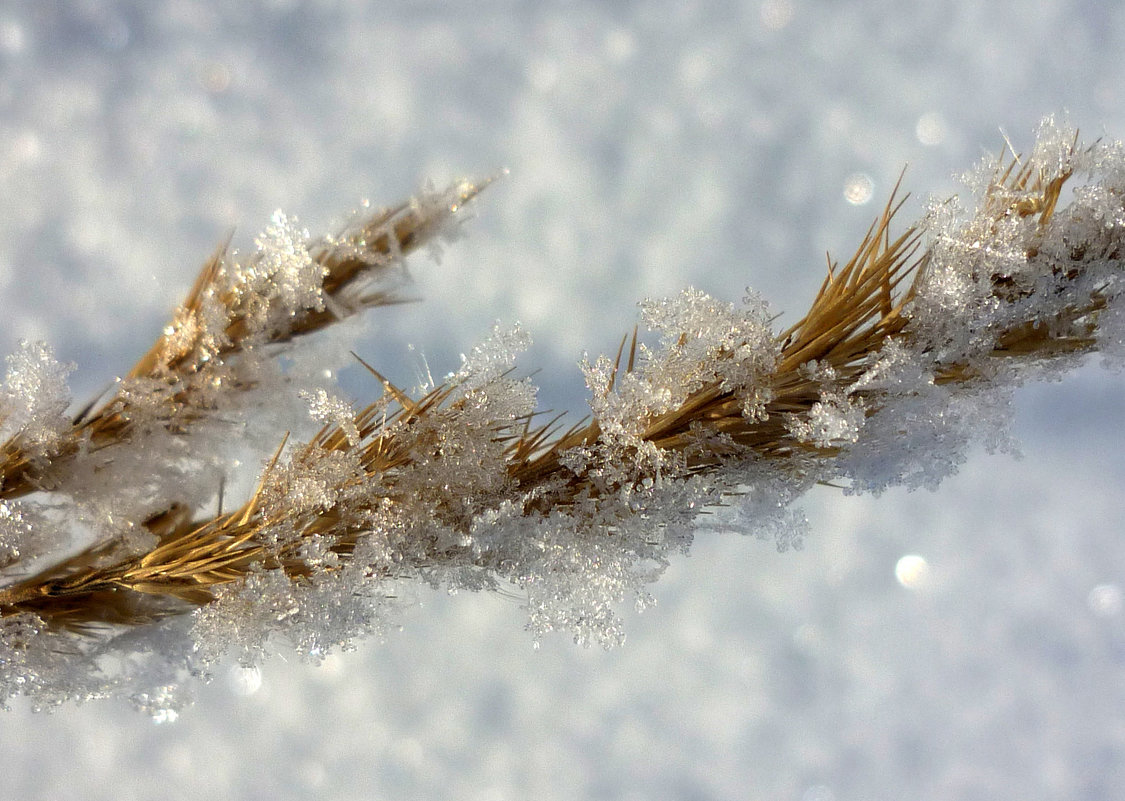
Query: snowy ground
(651, 145)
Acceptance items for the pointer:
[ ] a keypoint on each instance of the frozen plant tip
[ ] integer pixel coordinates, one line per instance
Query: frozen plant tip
(906, 349)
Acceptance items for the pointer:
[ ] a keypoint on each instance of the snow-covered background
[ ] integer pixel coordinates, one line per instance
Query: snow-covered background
(651, 145)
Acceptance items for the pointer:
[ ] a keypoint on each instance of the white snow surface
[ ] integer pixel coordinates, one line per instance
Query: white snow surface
(651, 146)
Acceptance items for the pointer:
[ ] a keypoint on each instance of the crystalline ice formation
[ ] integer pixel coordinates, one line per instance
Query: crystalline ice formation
(456, 490)
(34, 400)
(284, 269)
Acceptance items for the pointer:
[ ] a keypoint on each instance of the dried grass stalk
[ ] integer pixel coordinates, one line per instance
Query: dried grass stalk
(398, 491)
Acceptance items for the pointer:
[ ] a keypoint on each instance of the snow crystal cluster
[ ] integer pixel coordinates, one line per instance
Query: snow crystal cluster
(1010, 291)
(34, 400)
(453, 489)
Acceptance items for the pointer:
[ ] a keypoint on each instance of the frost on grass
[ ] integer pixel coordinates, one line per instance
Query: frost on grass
(721, 423)
(835, 419)
(703, 341)
(330, 409)
(1014, 289)
(284, 269)
(34, 399)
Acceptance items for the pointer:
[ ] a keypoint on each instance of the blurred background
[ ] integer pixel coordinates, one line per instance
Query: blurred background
(960, 644)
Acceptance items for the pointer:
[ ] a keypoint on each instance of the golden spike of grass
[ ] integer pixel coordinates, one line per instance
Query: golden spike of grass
(360, 254)
(859, 308)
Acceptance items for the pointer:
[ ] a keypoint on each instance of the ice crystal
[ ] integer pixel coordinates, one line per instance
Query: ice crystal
(761, 504)
(142, 665)
(701, 340)
(330, 409)
(284, 269)
(34, 399)
(17, 534)
(314, 614)
(832, 420)
(492, 358)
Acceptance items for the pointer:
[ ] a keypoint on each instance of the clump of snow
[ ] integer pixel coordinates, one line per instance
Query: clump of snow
(16, 534)
(153, 667)
(330, 409)
(836, 418)
(491, 359)
(284, 269)
(702, 341)
(34, 399)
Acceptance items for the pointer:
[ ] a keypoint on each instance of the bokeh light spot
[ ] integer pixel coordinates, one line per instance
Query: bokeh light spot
(776, 14)
(1105, 600)
(858, 189)
(912, 571)
(931, 129)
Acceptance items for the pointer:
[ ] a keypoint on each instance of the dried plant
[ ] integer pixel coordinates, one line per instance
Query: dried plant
(903, 358)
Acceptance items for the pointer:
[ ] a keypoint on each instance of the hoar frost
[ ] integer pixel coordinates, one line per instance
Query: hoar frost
(283, 268)
(717, 425)
(34, 400)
